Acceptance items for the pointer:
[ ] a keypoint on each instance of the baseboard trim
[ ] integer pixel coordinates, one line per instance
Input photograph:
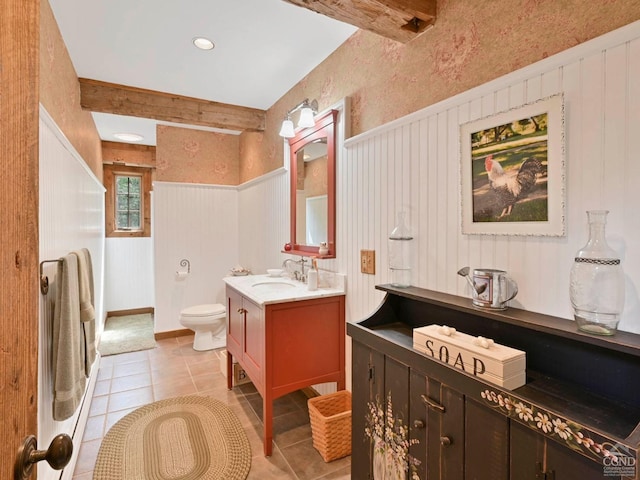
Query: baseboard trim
(172, 334)
(132, 311)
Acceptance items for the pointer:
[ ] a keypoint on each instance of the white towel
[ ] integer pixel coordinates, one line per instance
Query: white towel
(68, 342)
(87, 310)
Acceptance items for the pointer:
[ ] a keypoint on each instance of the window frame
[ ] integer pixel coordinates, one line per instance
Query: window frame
(129, 195)
(110, 173)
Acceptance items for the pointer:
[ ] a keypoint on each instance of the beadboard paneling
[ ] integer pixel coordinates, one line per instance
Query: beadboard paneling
(412, 164)
(263, 210)
(198, 223)
(71, 218)
(129, 283)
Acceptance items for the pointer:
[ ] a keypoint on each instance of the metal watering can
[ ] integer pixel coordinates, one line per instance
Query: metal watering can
(491, 288)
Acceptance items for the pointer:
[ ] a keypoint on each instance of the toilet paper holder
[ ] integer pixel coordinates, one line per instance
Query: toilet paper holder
(185, 263)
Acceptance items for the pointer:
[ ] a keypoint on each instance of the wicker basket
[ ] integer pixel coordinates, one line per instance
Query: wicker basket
(330, 417)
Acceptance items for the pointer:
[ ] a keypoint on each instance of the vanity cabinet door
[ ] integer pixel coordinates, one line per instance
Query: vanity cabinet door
(253, 354)
(235, 324)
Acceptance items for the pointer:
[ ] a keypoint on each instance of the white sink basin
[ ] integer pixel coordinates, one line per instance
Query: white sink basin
(266, 290)
(273, 286)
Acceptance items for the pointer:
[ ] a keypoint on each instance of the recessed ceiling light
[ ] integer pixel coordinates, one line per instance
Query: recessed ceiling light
(203, 43)
(128, 137)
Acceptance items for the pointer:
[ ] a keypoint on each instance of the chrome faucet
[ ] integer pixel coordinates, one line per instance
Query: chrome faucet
(287, 260)
(297, 274)
(303, 276)
(302, 261)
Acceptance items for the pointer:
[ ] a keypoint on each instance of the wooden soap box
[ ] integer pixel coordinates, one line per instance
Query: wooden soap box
(478, 356)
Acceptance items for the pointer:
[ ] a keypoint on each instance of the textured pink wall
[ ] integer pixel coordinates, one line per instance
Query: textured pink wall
(472, 42)
(195, 156)
(60, 92)
(253, 161)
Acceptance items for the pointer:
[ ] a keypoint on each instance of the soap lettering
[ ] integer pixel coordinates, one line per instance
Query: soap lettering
(459, 363)
(429, 345)
(444, 356)
(478, 366)
(444, 352)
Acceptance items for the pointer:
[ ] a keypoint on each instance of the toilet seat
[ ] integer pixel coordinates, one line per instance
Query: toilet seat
(204, 310)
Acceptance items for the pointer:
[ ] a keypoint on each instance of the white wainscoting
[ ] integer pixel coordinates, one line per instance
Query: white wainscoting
(198, 223)
(129, 280)
(412, 164)
(71, 217)
(264, 221)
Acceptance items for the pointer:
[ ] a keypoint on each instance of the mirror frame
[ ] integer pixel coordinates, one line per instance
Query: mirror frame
(325, 126)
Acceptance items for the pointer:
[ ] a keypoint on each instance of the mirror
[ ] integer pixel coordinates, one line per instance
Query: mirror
(313, 187)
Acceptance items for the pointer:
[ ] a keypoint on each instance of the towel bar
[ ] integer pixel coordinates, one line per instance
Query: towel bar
(44, 280)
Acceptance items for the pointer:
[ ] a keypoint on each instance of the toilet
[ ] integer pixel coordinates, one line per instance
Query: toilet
(208, 322)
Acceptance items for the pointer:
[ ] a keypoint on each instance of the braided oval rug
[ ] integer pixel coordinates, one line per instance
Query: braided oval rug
(186, 438)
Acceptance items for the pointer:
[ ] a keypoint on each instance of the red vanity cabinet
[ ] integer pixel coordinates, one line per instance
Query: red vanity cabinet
(285, 346)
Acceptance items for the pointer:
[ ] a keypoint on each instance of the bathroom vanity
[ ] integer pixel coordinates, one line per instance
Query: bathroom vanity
(577, 417)
(285, 337)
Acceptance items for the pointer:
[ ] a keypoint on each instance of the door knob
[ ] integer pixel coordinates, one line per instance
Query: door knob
(57, 455)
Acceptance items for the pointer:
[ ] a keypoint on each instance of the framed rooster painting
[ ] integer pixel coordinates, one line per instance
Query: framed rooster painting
(512, 171)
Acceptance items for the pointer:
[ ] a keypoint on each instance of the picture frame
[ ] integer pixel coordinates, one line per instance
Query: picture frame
(512, 171)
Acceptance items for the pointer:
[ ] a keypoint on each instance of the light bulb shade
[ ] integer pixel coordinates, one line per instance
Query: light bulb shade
(287, 129)
(306, 118)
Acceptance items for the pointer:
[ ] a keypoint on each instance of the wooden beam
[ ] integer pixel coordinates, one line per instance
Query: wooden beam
(401, 20)
(97, 96)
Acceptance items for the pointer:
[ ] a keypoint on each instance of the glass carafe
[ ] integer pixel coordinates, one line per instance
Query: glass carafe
(597, 281)
(400, 253)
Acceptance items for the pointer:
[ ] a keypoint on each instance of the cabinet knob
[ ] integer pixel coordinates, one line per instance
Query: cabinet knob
(418, 424)
(242, 310)
(444, 441)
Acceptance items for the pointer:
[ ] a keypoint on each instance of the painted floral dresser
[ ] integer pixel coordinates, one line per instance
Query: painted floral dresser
(417, 416)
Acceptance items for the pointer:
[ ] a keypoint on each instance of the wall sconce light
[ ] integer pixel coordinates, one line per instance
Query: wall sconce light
(287, 128)
(307, 111)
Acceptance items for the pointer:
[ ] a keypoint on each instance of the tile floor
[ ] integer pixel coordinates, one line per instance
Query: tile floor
(173, 368)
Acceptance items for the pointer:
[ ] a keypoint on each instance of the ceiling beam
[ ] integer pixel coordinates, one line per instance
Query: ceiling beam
(400, 20)
(97, 96)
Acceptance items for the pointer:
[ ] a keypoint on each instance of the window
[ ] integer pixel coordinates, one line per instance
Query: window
(128, 202)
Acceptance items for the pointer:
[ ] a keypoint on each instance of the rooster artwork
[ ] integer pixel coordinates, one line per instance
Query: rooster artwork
(513, 185)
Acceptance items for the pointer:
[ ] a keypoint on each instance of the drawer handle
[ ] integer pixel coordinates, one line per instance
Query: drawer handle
(432, 404)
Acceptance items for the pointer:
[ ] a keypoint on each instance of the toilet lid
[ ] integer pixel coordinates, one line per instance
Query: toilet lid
(203, 310)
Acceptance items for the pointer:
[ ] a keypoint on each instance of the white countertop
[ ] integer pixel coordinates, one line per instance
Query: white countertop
(257, 288)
